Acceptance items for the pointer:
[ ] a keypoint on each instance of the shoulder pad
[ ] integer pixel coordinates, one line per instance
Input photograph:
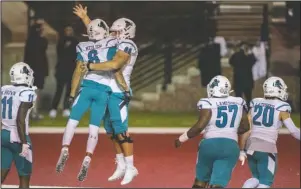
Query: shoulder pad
(127, 46)
(27, 95)
(204, 103)
(284, 107)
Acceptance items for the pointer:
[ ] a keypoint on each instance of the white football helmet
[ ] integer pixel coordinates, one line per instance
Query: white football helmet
(219, 86)
(97, 29)
(21, 73)
(275, 87)
(125, 27)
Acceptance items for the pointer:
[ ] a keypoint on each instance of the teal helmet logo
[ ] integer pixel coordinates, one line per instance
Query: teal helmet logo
(214, 83)
(278, 84)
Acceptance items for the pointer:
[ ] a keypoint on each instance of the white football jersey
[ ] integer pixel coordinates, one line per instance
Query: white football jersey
(265, 118)
(129, 47)
(97, 52)
(225, 118)
(11, 98)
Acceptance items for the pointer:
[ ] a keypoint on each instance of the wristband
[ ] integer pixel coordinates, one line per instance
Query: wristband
(184, 137)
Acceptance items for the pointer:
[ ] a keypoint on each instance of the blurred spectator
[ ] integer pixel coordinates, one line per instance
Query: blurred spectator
(210, 59)
(66, 55)
(35, 56)
(167, 63)
(242, 62)
(259, 70)
(293, 15)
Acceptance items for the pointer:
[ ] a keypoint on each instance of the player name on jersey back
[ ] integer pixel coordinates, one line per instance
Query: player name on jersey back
(226, 114)
(265, 118)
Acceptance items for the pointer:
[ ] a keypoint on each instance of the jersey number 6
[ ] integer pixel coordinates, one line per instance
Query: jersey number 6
(92, 56)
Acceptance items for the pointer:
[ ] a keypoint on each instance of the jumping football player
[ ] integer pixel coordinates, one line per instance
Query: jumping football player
(123, 30)
(94, 92)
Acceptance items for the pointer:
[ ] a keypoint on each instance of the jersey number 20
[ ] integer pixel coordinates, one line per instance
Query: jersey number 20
(266, 113)
(223, 113)
(7, 103)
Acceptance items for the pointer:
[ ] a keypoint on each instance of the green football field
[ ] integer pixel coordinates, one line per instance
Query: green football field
(141, 119)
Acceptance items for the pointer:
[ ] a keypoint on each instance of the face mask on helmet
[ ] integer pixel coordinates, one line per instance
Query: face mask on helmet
(97, 29)
(123, 28)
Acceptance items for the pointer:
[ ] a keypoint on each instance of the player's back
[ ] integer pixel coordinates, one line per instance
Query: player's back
(97, 52)
(11, 98)
(226, 114)
(265, 118)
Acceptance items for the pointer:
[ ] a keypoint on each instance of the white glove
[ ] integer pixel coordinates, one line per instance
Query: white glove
(242, 157)
(25, 150)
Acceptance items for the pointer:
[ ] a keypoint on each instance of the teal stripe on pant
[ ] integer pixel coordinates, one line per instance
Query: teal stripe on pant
(263, 166)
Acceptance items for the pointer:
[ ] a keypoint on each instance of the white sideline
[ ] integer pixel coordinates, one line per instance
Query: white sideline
(137, 130)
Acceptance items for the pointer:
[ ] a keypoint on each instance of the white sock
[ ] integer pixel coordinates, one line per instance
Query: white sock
(120, 159)
(69, 131)
(93, 138)
(251, 183)
(87, 158)
(129, 160)
(263, 186)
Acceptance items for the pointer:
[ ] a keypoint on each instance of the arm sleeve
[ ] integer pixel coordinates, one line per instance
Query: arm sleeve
(204, 104)
(295, 132)
(27, 96)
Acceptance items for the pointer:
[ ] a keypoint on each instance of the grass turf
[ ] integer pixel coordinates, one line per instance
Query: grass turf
(141, 119)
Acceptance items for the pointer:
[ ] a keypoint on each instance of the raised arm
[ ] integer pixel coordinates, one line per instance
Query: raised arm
(81, 12)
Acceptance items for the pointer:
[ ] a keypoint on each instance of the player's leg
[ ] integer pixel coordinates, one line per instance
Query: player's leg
(120, 169)
(80, 106)
(252, 182)
(204, 164)
(6, 154)
(267, 167)
(226, 153)
(23, 164)
(118, 109)
(98, 109)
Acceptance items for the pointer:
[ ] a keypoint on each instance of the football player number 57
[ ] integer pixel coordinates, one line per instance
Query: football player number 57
(224, 113)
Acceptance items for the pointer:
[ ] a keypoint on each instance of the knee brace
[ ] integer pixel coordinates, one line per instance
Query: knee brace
(122, 138)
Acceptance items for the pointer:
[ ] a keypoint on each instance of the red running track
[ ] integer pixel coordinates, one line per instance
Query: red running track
(158, 162)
